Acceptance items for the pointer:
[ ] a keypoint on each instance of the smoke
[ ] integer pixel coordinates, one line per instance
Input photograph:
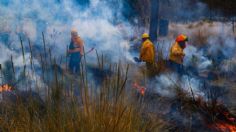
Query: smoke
(5, 53)
(210, 42)
(97, 24)
(196, 58)
(102, 26)
(166, 85)
(211, 46)
(17, 58)
(225, 43)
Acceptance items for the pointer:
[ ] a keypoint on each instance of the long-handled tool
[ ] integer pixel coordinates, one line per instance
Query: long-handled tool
(89, 51)
(67, 48)
(1, 75)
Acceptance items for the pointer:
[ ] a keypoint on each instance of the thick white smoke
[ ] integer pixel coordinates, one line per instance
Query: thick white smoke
(95, 24)
(166, 85)
(99, 24)
(209, 42)
(102, 27)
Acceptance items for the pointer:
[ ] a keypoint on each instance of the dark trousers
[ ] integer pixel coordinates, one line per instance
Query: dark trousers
(150, 70)
(179, 68)
(74, 65)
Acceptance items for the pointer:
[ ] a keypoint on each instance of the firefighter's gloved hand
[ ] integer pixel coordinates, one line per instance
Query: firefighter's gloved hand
(136, 59)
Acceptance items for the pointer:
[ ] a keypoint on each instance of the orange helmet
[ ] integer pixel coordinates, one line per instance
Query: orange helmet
(181, 38)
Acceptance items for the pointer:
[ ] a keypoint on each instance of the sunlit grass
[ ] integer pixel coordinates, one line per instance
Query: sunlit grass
(110, 106)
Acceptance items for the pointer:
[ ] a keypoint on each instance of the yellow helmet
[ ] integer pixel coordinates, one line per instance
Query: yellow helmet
(145, 35)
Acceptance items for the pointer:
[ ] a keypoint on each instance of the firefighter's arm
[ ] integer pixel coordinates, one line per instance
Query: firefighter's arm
(143, 52)
(82, 47)
(177, 51)
(153, 51)
(79, 46)
(74, 50)
(77, 49)
(70, 51)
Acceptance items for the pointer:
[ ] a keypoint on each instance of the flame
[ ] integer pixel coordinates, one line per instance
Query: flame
(141, 89)
(224, 127)
(5, 88)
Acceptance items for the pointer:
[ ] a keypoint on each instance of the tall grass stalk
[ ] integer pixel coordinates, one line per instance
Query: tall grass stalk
(96, 108)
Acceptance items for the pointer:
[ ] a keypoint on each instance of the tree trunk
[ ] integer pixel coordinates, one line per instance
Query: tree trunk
(154, 20)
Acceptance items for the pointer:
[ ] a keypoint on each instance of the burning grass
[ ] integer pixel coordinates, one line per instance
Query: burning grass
(107, 110)
(5, 88)
(110, 103)
(189, 113)
(75, 103)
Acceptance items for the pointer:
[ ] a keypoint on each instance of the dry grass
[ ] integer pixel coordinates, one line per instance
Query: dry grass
(113, 106)
(200, 38)
(78, 104)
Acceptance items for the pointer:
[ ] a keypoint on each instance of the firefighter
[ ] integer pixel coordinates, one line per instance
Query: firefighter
(147, 53)
(177, 54)
(75, 52)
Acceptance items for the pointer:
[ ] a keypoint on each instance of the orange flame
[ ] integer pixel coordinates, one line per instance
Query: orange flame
(5, 88)
(141, 89)
(223, 127)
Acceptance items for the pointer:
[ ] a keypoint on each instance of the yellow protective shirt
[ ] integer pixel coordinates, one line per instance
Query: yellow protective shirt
(176, 53)
(147, 53)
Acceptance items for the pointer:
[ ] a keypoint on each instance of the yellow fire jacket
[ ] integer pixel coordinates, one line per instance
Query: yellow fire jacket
(147, 53)
(176, 53)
